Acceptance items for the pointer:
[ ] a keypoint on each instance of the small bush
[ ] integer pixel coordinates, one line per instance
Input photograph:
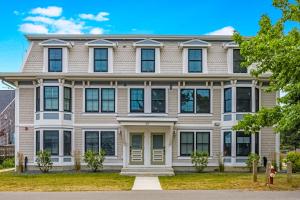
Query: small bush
(200, 160)
(44, 161)
(294, 158)
(20, 167)
(221, 163)
(94, 160)
(8, 163)
(252, 157)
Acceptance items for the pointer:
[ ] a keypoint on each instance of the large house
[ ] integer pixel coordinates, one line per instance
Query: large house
(149, 101)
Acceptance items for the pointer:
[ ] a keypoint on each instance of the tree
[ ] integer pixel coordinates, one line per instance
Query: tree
(276, 49)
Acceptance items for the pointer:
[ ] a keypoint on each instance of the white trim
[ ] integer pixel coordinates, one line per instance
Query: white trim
(60, 43)
(26, 56)
(17, 124)
(12, 101)
(229, 45)
(138, 64)
(110, 67)
(194, 43)
(147, 43)
(65, 58)
(101, 43)
(185, 61)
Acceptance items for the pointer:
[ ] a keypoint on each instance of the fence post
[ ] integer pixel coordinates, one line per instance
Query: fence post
(289, 171)
(268, 168)
(254, 171)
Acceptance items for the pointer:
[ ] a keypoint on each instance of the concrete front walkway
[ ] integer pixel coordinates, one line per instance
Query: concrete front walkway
(146, 183)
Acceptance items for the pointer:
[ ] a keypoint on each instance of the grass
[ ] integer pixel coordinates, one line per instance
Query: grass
(222, 181)
(64, 182)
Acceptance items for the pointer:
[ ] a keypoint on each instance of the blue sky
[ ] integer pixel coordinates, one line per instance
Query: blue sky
(122, 17)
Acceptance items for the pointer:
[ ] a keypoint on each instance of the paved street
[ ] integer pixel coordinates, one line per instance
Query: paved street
(153, 195)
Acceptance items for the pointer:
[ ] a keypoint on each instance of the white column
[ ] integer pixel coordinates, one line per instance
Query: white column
(233, 147)
(168, 147)
(125, 148)
(61, 145)
(17, 128)
(147, 99)
(61, 101)
(147, 148)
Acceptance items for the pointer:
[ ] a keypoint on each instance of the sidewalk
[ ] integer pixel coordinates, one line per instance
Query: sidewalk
(146, 183)
(7, 170)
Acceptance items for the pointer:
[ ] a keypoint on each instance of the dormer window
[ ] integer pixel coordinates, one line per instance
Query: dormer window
(100, 59)
(55, 60)
(195, 60)
(147, 60)
(237, 59)
(234, 58)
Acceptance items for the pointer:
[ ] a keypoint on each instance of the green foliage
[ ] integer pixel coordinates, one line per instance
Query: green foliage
(199, 160)
(8, 163)
(221, 163)
(277, 50)
(94, 160)
(252, 157)
(44, 161)
(294, 158)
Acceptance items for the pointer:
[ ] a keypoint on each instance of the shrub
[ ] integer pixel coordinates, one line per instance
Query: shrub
(252, 157)
(221, 163)
(44, 161)
(94, 160)
(77, 160)
(199, 160)
(8, 163)
(294, 158)
(20, 167)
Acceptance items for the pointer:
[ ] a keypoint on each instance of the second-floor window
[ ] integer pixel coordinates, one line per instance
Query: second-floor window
(147, 60)
(92, 100)
(37, 99)
(243, 99)
(67, 99)
(107, 100)
(227, 100)
(237, 59)
(158, 100)
(195, 60)
(195, 100)
(55, 60)
(51, 98)
(137, 100)
(100, 60)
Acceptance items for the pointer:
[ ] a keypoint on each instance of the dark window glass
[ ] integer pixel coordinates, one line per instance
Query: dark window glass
(203, 142)
(51, 98)
(55, 60)
(136, 100)
(203, 101)
(91, 100)
(243, 99)
(158, 100)
(108, 142)
(227, 143)
(100, 60)
(187, 100)
(237, 59)
(107, 100)
(243, 144)
(51, 142)
(227, 100)
(186, 143)
(67, 99)
(37, 99)
(148, 60)
(195, 60)
(257, 143)
(92, 141)
(67, 143)
(256, 99)
(37, 142)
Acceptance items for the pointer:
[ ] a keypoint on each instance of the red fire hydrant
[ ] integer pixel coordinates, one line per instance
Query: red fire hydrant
(272, 174)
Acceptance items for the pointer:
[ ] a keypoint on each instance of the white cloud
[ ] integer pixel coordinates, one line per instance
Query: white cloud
(64, 26)
(16, 12)
(50, 11)
(101, 16)
(41, 19)
(96, 31)
(228, 30)
(33, 28)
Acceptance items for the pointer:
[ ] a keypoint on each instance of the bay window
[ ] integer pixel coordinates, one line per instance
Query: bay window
(51, 142)
(243, 99)
(227, 100)
(37, 99)
(243, 144)
(51, 98)
(67, 99)
(67, 136)
(227, 142)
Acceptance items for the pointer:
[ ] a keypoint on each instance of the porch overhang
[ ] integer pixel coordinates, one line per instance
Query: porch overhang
(147, 121)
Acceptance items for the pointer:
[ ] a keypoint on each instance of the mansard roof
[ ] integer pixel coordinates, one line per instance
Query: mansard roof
(194, 43)
(101, 43)
(148, 43)
(56, 42)
(230, 45)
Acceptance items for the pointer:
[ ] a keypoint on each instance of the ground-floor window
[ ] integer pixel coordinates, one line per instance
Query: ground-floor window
(227, 143)
(97, 140)
(51, 142)
(191, 141)
(243, 144)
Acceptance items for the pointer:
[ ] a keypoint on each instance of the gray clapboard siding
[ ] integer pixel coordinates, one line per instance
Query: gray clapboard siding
(26, 105)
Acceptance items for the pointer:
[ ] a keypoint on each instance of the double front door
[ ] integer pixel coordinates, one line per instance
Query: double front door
(141, 148)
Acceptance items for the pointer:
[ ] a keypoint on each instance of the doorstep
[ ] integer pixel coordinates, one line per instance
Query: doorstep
(146, 183)
(147, 171)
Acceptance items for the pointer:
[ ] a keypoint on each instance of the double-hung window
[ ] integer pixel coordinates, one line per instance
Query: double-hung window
(195, 101)
(191, 141)
(100, 60)
(243, 99)
(108, 142)
(187, 101)
(186, 143)
(51, 142)
(137, 100)
(37, 99)
(158, 100)
(97, 140)
(147, 60)
(243, 144)
(227, 100)
(203, 142)
(227, 140)
(67, 99)
(91, 100)
(107, 100)
(202, 101)
(92, 141)
(37, 142)
(67, 143)
(51, 98)
(55, 60)
(256, 99)
(194, 60)
(237, 59)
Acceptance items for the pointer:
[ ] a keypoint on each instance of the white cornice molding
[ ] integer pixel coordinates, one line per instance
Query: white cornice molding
(101, 43)
(148, 43)
(230, 45)
(56, 43)
(194, 43)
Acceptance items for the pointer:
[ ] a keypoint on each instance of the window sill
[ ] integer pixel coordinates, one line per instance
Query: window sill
(189, 158)
(98, 114)
(149, 114)
(195, 114)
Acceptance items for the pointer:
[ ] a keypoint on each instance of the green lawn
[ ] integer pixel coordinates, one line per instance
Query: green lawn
(219, 181)
(64, 182)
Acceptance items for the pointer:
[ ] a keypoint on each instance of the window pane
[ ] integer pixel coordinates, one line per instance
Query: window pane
(187, 101)
(227, 100)
(186, 143)
(147, 60)
(203, 142)
(108, 142)
(227, 144)
(92, 100)
(256, 99)
(158, 141)
(92, 141)
(148, 66)
(101, 66)
(243, 144)
(67, 143)
(195, 54)
(67, 99)
(108, 100)
(101, 53)
(37, 142)
(136, 100)
(51, 98)
(203, 101)
(158, 104)
(243, 99)
(55, 53)
(195, 60)
(257, 143)
(148, 54)
(54, 59)
(37, 99)
(195, 66)
(51, 142)
(237, 59)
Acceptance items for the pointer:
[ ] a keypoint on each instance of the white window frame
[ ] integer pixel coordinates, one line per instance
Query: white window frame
(185, 59)
(65, 59)
(110, 59)
(230, 61)
(139, 61)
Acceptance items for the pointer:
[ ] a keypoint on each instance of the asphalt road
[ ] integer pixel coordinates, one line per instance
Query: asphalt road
(153, 195)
